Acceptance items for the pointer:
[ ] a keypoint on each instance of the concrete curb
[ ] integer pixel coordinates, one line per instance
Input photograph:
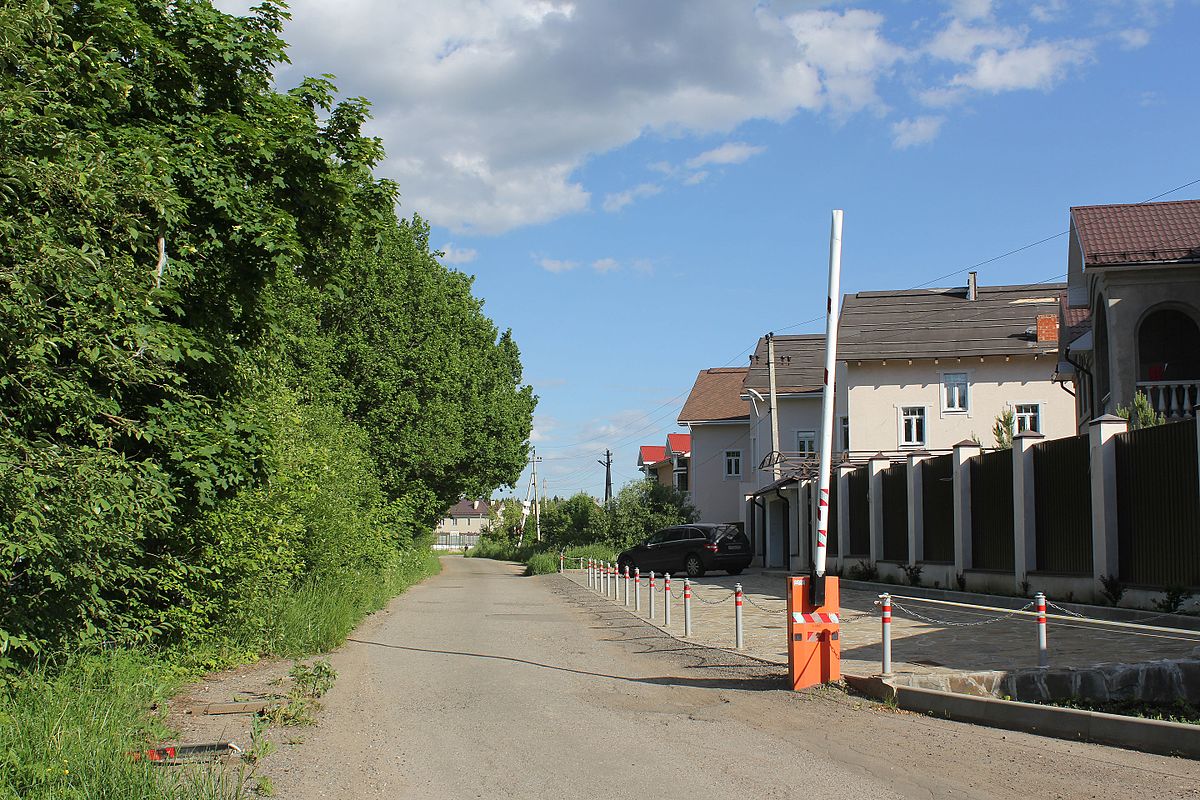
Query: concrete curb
(1146, 735)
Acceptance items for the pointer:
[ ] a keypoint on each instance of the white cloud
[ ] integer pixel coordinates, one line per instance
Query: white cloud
(1036, 66)
(1134, 38)
(456, 255)
(605, 264)
(849, 51)
(555, 264)
(728, 153)
(971, 9)
(695, 178)
(916, 131)
(1048, 11)
(960, 43)
(618, 200)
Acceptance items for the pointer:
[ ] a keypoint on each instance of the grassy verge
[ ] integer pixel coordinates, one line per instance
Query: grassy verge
(538, 557)
(65, 732)
(1179, 711)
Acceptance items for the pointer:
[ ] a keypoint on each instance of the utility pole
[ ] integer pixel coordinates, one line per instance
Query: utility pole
(530, 493)
(537, 501)
(607, 464)
(775, 465)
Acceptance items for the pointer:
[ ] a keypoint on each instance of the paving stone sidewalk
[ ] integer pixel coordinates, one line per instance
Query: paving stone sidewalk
(948, 640)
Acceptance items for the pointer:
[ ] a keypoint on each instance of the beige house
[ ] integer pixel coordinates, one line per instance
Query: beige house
(1133, 308)
(670, 464)
(462, 525)
(928, 368)
(718, 419)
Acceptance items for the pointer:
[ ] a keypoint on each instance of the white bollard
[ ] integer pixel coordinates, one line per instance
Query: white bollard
(651, 594)
(589, 572)
(738, 640)
(627, 586)
(561, 559)
(687, 607)
(637, 588)
(1043, 653)
(885, 603)
(607, 570)
(667, 599)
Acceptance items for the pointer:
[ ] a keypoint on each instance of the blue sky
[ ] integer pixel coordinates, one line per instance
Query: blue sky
(643, 189)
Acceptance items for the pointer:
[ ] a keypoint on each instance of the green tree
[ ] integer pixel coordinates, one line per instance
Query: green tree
(644, 506)
(1140, 413)
(1004, 429)
(577, 520)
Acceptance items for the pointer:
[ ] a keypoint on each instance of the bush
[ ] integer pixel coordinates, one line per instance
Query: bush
(547, 562)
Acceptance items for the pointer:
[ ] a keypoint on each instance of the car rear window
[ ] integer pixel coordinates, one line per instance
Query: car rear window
(723, 531)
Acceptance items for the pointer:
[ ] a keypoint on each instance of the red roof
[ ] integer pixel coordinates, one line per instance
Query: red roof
(651, 454)
(680, 442)
(1133, 234)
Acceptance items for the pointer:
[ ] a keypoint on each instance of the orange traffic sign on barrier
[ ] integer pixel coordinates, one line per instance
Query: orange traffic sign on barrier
(814, 634)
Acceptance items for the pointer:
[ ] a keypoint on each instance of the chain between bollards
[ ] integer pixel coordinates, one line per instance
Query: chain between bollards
(687, 607)
(738, 640)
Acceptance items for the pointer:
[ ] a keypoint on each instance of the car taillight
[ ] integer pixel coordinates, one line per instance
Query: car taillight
(711, 547)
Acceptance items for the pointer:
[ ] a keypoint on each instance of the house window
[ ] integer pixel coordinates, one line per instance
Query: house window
(733, 463)
(912, 426)
(845, 433)
(954, 391)
(1029, 418)
(681, 481)
(806, 443)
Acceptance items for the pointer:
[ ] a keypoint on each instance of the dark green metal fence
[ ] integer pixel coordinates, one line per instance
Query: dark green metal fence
(895, 512)
(1063, 497)
(859, 537)
(1158, 505)
(937, 507)
(992, 511)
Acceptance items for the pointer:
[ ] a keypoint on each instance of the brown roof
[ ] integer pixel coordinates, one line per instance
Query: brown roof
(942, 323)
(717, 395)
(1135, 234)
(469, 508)
(1075, 321)
(799, 364)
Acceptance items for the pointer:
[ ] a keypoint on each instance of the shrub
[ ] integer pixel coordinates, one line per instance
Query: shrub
(864, 571)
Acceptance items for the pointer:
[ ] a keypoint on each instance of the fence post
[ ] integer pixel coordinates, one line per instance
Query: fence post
(738, 641)
(1024, 506)
(1043, 653)
(1105, 530)
(964, 451)
(885, 602)
(667, 599)
(687, 607)
(651, 594)
(626, 585)
(637, 588)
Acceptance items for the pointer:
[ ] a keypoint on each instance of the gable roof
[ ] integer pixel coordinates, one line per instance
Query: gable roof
(940, 323)
(680, 443)
(717, 396)
(650, 454)
(469, 508)
(1138, 234)
(799, 367)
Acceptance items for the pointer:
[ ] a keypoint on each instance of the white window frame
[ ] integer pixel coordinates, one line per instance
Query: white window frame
(1017, 415)
(966, 393)
(901, 417)
(731, 456)
(810, 436)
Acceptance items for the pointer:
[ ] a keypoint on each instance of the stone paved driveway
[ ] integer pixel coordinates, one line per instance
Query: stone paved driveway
(950, 643)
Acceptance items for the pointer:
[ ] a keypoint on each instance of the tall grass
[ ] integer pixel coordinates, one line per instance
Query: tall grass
(546, 562)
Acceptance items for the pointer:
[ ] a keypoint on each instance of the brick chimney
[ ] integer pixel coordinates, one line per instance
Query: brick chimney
(1047, 328)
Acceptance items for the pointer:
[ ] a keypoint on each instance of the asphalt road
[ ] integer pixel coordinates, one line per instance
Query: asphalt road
(480, 683)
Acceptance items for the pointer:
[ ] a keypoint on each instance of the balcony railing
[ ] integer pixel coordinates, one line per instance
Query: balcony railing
(1172, 399)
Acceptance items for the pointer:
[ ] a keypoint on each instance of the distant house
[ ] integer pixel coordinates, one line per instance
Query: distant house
(927, 368)
(670, 464)
(462, 525)
(654, 464)
(1133, 307)
(718, 418)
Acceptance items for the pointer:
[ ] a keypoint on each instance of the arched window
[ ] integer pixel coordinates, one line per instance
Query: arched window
(1168, 347)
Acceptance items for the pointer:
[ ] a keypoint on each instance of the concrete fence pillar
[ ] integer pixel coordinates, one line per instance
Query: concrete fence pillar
(875, 468)
(916, 508)
(1103, 450)
(963, 452)
(843, 510)
(1024, 506)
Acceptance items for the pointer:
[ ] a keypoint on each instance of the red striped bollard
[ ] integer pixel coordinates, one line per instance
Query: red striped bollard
(591, 573)
(667, 600)
(1043, 654)
(637, 588)
(738, 639)
(561, 558)
(687, 607)
(627, 585)
(885, 603)
(651, 594)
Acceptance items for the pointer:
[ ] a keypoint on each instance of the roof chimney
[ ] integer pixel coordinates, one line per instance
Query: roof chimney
(1047, 327)
(972, 287)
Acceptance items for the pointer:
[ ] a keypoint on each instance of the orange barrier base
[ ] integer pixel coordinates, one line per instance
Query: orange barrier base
(814, 646)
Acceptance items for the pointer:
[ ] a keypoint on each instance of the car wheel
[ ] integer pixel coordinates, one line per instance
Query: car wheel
(737, 571)
(694, 567)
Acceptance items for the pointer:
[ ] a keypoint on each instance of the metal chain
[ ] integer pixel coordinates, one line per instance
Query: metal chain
(856, 617)
(1066, 611)
(713, 602)
(749, 600)
(933, 621)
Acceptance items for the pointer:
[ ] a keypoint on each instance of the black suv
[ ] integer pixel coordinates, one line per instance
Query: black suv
(693, 549)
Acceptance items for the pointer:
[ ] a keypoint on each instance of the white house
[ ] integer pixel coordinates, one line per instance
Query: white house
(462, 525)
(718, 418)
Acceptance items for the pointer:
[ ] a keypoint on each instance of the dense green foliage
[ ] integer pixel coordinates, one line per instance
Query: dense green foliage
(230, 374)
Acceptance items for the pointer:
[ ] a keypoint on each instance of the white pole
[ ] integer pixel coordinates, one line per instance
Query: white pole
(776, 468)
(831, 327)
